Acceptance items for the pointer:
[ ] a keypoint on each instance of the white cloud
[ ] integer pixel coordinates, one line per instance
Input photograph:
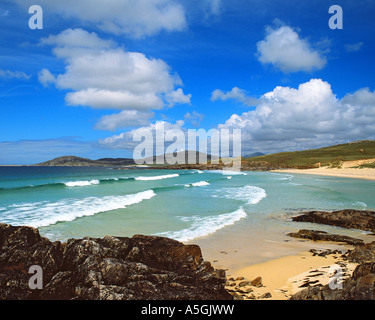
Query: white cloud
(284, 49)
(46, 78)
(178, 97)
(126, 118)
(7, 74)
(134, 18)
(194, 118)
(125, 139)
(235, 94)
(307, 117)
(113, 99)
(353, 47)
(102, 75)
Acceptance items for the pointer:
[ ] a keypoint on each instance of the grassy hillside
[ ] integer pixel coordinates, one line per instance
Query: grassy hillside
(329, 156)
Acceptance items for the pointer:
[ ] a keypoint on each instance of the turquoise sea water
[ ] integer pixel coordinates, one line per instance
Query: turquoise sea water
(185, 205)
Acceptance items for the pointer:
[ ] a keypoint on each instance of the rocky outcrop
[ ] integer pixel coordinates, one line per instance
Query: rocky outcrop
(324, 236)
(349, 218)
(360, 286)
(111, 268)
(362, 254)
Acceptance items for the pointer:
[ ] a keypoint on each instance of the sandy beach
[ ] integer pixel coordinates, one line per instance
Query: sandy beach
(279, 279)
(344, 172)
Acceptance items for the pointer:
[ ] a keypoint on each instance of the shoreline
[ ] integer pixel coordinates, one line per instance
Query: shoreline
(352, 173)
(280, 275)
(283, 277)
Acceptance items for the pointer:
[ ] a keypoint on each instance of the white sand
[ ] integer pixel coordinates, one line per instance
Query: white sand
(344, 172)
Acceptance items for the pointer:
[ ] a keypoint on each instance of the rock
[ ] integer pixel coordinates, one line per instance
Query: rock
(257, 282)
(362, 254)
(237, 296)
(324, 236)
(266, 295)
(244, 283)
(349, 218)
(111, 268)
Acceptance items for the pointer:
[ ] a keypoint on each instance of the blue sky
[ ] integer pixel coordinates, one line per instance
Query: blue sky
(98, 70)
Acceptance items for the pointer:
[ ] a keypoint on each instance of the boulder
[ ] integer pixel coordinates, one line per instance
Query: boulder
(324, 236)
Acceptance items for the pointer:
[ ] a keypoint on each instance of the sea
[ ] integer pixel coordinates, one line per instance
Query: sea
(186, 205)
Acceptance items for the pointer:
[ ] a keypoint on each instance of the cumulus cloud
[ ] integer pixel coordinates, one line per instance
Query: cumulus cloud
(307, 117)
(102, 75)
(46, 78)
(178, 97)
(134, 18)
(126, 141)
(126, 118)
(237, 94)
(285, 50)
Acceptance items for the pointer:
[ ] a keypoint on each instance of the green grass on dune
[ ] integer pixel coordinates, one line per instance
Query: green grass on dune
(329, 156)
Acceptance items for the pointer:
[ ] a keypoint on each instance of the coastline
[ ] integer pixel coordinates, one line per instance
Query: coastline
(354, 173)
(282, 265)
(282, 275)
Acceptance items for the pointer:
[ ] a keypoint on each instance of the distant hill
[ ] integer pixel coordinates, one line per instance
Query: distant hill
(194, 155)
(253, 155)
(329, 156)
(71, 161)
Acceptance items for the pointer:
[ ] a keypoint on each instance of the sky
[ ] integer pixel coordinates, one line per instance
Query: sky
(100, 70)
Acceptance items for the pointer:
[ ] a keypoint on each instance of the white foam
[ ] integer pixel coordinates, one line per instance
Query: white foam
(204, 226)
(230, 177)
(167, 176)
(197, 184)
(282, 176)
(249, 194)
(200, 184)
(360, 203)
(73, 184)
(70, 209)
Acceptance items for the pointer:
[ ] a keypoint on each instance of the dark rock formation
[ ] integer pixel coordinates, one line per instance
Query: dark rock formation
(362, 254)
(324, 236)
(111, 268)
(349, 218)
